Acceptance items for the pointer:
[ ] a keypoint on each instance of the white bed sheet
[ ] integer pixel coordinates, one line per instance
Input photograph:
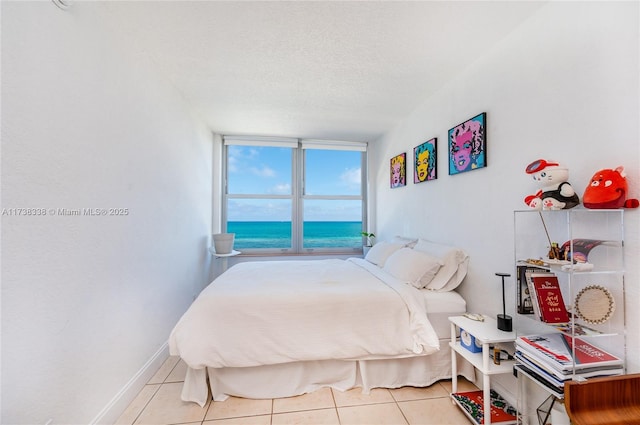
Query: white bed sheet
(350, 309)
(294, 377)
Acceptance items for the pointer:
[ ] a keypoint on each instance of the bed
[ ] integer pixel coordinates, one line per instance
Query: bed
(271, 329)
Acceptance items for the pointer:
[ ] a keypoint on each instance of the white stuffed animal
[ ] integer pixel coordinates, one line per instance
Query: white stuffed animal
(556, 192)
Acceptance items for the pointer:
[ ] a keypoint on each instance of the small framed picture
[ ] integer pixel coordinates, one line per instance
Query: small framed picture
(399, 170)
(424, 161)
(467, 145)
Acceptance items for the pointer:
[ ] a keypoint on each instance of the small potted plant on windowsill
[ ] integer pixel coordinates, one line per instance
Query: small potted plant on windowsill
(369, 242)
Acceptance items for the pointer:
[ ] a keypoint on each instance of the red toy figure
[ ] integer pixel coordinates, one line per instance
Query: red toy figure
(608, 189)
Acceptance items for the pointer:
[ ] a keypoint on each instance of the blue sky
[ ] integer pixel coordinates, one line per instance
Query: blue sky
(262, 170)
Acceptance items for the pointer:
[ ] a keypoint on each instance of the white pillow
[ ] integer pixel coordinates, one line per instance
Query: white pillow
(454, 264)
(408, 242)
(379, 253)
(415, 267)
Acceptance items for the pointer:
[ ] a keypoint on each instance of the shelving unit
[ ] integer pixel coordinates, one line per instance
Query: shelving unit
(486, 333)
(593, 292)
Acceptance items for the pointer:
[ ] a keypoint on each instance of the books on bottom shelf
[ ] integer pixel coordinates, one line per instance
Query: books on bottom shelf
(557, 391)
(549, 359)
(552, 380)
(557, 377)
(472, 402)
(556, 349)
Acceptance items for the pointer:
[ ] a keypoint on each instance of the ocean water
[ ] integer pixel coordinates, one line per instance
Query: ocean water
(277, 234)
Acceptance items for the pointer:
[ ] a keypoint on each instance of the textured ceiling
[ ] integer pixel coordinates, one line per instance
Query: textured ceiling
(333, 70)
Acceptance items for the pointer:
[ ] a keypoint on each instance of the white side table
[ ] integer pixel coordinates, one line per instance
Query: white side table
(224, 257)
(486, 333)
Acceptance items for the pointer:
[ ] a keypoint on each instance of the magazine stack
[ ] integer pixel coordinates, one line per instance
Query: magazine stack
(548, 359)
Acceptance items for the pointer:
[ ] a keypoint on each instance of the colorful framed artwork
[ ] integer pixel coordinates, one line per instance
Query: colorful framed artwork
(399, 170)
(424, 161)
(468, 145)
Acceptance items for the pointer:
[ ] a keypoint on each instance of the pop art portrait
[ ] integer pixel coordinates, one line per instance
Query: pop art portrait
(467, 145)
(424, 160)
(399, 170)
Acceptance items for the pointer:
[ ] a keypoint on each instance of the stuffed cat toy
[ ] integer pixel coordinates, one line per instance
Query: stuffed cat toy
(556, 193)
(608, 189)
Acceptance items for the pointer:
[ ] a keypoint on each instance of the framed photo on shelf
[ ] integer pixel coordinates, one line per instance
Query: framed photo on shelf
(467, 145)
(399, 170)
(424, 161)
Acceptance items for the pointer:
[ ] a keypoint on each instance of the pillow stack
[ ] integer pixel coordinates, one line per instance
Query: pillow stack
(379, 253)
(422, 263)
(412, 266)
(454, 264)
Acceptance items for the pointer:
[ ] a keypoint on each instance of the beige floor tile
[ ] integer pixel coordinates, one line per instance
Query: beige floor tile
(373, 414)
(178, 373)
(166, 407)
(463, 385)
(415, 393)
(138, 404)
(164, 370)
(320, 399)
(246, 420)
(235, 407)
(355, 397)
(435, 411)
(307, 417)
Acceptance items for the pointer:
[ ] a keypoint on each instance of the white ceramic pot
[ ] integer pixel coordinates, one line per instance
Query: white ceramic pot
(223, 242)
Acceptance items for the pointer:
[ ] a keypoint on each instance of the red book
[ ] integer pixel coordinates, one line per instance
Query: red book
(472, 403)
(552, 308)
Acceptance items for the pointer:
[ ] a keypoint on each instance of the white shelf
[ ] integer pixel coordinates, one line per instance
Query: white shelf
(486, 331)
(212, 251)
(475, 359)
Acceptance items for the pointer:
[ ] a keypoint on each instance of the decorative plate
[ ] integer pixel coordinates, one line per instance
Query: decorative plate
(594, 304)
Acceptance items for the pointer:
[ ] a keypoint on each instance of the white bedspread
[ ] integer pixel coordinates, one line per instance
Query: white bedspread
(273, 312)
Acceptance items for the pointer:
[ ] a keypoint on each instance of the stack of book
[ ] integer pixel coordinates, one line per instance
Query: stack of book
(524, 300)
(546, 297)
(548, 358)
(472, 403)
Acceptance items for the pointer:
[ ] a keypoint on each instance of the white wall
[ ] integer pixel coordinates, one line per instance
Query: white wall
(88, 301)
(564, 86)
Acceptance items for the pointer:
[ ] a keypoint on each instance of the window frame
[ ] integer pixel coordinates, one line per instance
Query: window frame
(297, 195)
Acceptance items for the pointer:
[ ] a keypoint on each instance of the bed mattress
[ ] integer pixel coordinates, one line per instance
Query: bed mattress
(441, 305)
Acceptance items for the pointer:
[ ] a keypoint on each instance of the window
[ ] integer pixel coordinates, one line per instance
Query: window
(294, 196)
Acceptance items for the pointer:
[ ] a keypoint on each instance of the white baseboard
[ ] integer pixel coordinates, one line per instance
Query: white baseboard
(125, 396)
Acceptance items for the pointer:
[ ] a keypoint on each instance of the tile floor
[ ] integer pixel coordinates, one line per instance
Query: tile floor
(159, 404)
